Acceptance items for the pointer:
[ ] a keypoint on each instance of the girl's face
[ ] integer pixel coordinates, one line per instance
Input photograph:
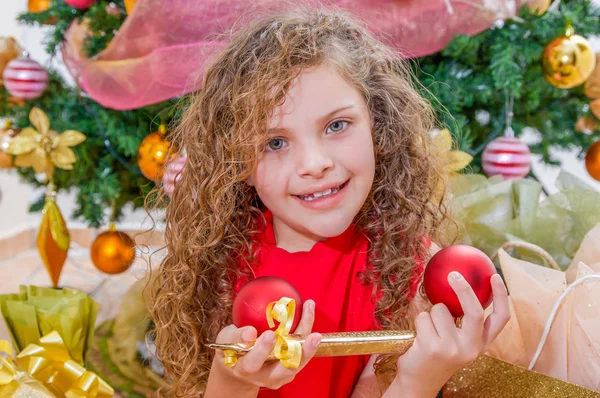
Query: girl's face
(318, 167)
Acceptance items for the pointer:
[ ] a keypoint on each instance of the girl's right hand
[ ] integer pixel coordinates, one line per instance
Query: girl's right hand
(252, 368)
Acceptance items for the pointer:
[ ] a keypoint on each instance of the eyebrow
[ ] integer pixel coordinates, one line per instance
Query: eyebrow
(322, 119)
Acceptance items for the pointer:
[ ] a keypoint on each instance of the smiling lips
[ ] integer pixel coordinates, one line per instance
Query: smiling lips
(323, 194)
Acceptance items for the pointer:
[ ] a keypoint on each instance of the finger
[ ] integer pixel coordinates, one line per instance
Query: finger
(501, 314)
(233, 334)
(425, 328)
(472, 322)
(254, 360)
(308, 319)
(309, 349)
(443, 321)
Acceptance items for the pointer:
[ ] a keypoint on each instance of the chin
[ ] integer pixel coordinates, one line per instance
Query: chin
(327, 227)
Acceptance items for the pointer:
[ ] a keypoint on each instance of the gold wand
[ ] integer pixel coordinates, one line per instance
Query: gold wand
(342, 344)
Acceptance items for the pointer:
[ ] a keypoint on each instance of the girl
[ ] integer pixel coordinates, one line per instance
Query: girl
(307, 159)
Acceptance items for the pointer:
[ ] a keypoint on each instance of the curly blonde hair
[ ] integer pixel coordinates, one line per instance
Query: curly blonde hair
(211, 220)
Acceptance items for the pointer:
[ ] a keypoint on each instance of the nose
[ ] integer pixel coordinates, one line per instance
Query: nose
(314, 160)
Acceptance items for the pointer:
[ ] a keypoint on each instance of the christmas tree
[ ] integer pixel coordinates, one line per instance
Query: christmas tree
(469, 82)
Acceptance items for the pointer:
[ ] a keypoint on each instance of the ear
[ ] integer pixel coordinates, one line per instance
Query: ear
(250, 182)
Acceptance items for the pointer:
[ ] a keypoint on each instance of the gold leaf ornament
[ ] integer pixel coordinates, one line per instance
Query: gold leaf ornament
(42, 148)
(455, 160)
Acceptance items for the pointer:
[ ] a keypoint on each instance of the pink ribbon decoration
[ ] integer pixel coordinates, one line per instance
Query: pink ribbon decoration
(161, 49)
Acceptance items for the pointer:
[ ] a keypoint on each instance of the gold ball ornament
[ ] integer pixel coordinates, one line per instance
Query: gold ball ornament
(592, 160)
(113, 251)
(568, 60)
(152, 154)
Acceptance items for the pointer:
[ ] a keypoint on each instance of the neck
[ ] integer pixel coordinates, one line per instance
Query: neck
(291, 240)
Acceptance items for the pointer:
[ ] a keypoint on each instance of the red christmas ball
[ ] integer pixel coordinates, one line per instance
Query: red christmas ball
(250, 305)
(507, 156)
(473, 264)
(80, 4)
(24, 78)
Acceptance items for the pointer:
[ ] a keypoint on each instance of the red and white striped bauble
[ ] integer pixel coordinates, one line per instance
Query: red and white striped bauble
(24, 78)
(507, 156)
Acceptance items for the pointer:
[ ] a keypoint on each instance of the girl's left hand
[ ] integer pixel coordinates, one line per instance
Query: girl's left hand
(441, 348)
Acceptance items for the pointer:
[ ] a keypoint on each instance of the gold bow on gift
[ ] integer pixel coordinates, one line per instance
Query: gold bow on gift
(50, 362)
(7, 371)
(287, 350)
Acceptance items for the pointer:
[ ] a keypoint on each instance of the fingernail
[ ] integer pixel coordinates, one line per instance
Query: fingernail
(246, 335)
(455, 276)
(269, 337)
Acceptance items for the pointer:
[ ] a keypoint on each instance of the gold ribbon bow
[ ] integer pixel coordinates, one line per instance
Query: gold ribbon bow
(50, 363)
(287, 349)
(7, 371)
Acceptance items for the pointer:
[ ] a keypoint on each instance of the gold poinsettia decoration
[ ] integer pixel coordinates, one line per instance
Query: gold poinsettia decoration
(455, 160)
(42, 148)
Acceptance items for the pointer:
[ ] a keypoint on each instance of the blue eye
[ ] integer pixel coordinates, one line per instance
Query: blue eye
(276, 144)
(337, 126)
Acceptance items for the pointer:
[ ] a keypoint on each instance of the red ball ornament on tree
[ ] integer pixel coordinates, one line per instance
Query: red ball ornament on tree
(250, 305)
(80, 4)
(507, 156)
(473, 264)
(24, 78)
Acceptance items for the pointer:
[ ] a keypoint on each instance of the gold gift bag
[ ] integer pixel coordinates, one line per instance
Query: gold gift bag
(490, 377)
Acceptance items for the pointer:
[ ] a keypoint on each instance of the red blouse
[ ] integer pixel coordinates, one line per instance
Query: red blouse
(327, 274)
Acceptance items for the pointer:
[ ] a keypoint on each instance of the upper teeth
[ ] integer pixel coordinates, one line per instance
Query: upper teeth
(317, 195)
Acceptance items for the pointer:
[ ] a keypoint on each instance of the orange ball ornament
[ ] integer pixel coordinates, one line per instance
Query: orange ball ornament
(152, 154)
(113, 251)
(36, 6)
(592, 160)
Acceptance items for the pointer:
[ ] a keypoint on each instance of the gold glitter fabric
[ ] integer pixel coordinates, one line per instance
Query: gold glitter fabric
(489, 377)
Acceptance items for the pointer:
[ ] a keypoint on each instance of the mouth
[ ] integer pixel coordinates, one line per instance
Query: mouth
(322, 194)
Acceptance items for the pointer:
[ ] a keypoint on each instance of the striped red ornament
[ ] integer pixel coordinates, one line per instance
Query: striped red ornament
(24, 78)
(507, 156)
